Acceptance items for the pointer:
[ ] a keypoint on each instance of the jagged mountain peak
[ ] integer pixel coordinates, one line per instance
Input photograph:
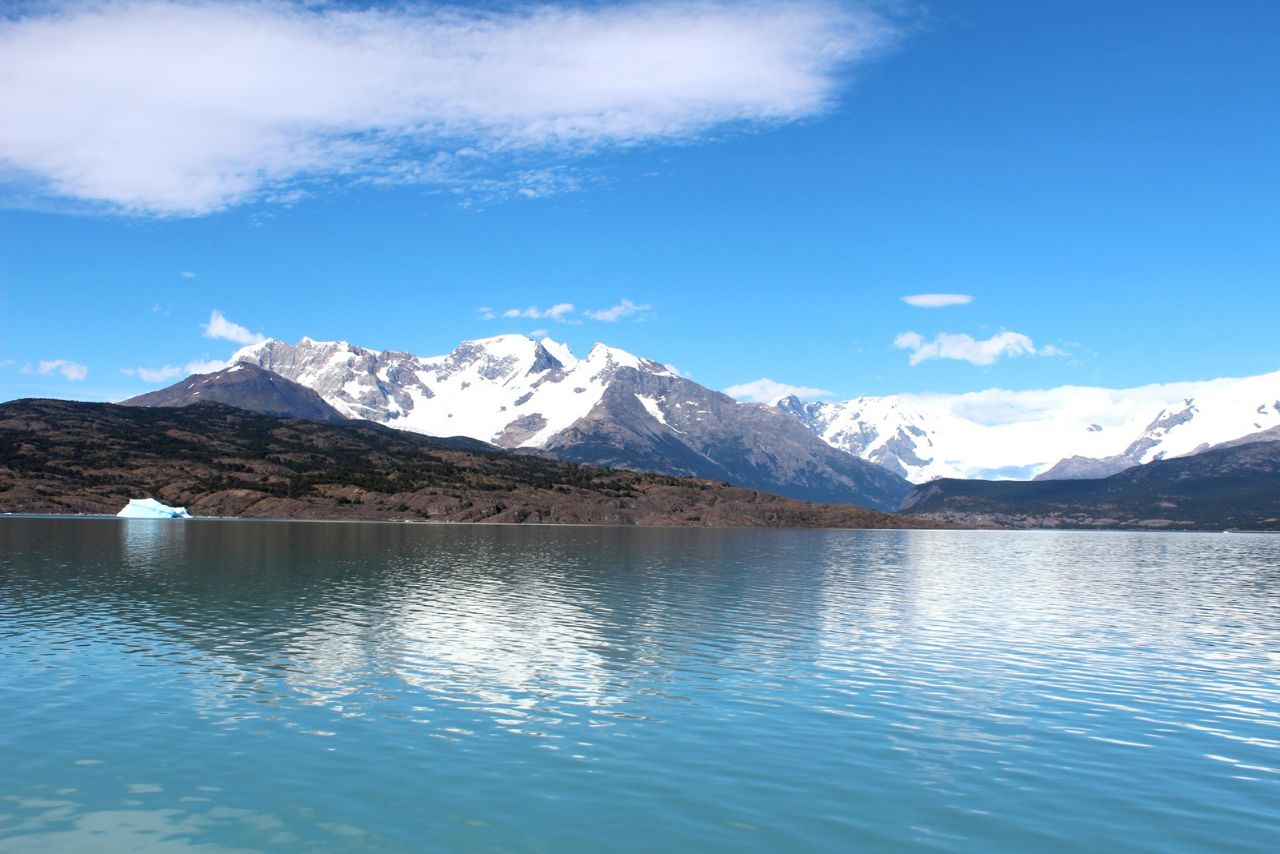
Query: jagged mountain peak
(616, 407)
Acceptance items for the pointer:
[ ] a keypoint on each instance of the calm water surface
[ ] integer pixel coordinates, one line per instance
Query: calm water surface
(349, 687)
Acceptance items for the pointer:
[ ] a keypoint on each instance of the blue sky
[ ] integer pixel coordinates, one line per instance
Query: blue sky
(757, 185)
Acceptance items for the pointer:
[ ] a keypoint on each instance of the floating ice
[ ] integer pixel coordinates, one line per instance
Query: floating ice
(149, 508)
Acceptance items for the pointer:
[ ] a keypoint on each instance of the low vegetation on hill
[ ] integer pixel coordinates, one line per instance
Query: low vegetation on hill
(217, 460)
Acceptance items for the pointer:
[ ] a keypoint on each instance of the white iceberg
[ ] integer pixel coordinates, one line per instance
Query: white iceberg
(149, 508)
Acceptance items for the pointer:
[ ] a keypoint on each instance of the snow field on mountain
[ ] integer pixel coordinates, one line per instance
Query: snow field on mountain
(517, 392)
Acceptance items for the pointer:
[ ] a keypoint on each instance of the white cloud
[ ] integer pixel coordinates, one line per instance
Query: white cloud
(673, 369)
(219, 327)
(186, 274)
(626, 308)
(966, 348)
(767, 391)
(173, 372)
(205, 367)
(937, 300)
(154, 375)
(4, 363)
(168, 107)
(73, 371)
(538, 333)
(558, 312)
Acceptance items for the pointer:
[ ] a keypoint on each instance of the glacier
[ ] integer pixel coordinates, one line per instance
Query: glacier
(1067, 431)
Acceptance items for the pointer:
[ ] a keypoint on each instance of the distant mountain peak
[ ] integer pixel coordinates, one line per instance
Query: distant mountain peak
(246, 386)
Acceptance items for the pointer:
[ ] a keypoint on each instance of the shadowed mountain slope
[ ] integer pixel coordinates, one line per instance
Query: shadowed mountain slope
(1229, 487)
(248, 387)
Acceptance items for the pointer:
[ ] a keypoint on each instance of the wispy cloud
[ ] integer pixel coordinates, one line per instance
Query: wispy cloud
(966, 348)
(221, 328)
(559, 312)
(626, 308)
(566, 312)
(937, 300)
(189, 106)
(70, 370)
(173, 372)
(187, 274)
(766, 390)
(4, 363)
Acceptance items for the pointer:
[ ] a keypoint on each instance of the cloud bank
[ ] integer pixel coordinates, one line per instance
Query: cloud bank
(765, 390)
(165, 107)
(966, 348)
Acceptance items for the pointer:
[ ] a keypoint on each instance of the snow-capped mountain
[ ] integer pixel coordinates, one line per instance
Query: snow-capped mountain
(1066, 432)
(509, 390)
(611, 408)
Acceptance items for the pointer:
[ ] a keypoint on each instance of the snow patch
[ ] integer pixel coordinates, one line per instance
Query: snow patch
(650, 405)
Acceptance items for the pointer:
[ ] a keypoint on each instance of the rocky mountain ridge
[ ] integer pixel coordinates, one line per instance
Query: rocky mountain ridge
(611, 408)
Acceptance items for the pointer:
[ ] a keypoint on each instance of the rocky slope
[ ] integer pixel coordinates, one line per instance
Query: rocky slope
(68, 457)
(248, 387)
(655, 422)
(611, 408)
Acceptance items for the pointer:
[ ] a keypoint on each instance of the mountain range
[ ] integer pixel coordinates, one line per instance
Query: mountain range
(1207, 459)
(615, 408)
(610, 408)
(1068, 432)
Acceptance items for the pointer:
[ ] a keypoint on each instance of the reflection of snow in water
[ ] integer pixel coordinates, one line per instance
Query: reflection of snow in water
(976, 640)
(145, 541)
(497, 642)
(509, 647)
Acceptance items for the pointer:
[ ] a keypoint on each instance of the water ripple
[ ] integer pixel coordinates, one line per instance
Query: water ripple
(262, 686)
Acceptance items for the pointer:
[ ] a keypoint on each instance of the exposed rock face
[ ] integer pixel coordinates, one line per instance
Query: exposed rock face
(645, 421)
(248, 387)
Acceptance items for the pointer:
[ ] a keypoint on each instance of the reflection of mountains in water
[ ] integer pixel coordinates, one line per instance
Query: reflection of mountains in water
(513, 625)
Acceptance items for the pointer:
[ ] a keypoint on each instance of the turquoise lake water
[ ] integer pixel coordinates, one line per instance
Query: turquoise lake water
(242, 686)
